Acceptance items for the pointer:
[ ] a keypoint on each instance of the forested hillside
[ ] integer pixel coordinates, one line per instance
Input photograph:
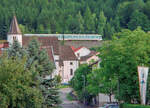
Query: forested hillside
(75, 16)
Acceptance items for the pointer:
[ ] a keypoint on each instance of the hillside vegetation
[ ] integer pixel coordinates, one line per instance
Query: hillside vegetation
(75, 16)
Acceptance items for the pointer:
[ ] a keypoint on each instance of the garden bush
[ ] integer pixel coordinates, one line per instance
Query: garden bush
(133, 106)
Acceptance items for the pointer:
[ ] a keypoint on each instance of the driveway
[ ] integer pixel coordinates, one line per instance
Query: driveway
(67, 103)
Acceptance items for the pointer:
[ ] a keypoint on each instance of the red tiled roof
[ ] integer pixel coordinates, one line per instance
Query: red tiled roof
(4, 45)
(73, 48)
(14, 28)
(50, 54)
(66, 53)
(77, 49)
(44, 41)
(87, 44)
(48, 43)
(84, 58)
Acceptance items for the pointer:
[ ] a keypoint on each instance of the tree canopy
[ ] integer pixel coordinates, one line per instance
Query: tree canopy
(75, 16)
(26, 78)
(39, 60)
(79, 83)
(119, 60)
(117, 74)
(16, 82)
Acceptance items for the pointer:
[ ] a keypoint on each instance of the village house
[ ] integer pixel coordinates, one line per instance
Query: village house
(68, 63)
(85, 55)
(65, 58)
(62, 57)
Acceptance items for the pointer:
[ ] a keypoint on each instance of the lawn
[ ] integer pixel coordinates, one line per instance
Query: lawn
(62, 86)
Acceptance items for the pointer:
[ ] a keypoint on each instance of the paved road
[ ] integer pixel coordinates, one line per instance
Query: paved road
(66, 103)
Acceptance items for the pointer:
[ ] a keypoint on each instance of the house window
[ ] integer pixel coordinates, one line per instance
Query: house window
(71, 63)
(71, 71)
(14, 38)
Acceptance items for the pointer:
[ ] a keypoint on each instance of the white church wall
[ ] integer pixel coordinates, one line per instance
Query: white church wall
(12, 37)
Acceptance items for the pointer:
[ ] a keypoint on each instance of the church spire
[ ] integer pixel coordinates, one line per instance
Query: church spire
(14, 32)
(14, 27)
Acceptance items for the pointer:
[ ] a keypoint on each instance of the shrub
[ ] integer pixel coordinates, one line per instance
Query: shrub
(133, 106)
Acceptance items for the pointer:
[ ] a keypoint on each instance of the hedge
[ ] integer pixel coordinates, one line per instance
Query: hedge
(133, 106)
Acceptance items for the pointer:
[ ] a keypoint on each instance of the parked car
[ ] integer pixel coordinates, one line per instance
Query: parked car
(110, 106)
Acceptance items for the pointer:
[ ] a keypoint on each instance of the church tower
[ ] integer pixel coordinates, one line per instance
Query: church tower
(14, 32)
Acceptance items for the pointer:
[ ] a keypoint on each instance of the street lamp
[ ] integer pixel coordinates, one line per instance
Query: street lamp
(83, 76)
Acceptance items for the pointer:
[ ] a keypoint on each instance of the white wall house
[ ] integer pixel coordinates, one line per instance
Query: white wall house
(69, 63)
(85, 55)
(94, 57)
(69, 69)
(81, 51)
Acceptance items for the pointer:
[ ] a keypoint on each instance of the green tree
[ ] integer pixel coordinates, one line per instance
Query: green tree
(48, 86)
(108, 31)
(52, 17)
(139, 19)
(33, 53)
(146, 9)
(23, 28)
(45, 67)
(99, 82)
(16, 50)
(72, 24)
(116, 24)
(40, 29)
(120, 58)
(15, 85)
(101, 23)
(80, 21)
(89, 21)
(79, 84)
(124, 12)
(39, 60)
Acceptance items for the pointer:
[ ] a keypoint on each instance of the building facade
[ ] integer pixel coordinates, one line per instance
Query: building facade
(62, 57)
(68, 62)
(85, 55)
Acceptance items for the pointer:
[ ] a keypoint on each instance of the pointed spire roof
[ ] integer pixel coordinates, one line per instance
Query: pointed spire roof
(14, 27)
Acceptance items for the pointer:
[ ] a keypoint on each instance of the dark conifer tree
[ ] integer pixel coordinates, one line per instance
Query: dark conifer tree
(16, 50)
(40, 61)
